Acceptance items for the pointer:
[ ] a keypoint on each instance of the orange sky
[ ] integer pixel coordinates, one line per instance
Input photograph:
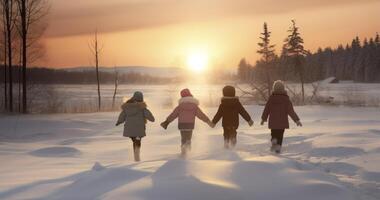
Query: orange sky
(162, 32)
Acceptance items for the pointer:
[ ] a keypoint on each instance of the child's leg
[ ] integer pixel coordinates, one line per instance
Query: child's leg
(229, 137)
(280, 136)
(233, 139)
(189, 135)
(226, 136)
(186, 141)
(273, 139)
(186, 138)
(136, 147)
(277, 137)
(183, 138)
(136, 143)
(273, 135)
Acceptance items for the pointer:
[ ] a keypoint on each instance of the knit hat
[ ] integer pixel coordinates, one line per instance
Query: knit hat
(186, 93)
(279, 87)
(229, 91)
(138, 96)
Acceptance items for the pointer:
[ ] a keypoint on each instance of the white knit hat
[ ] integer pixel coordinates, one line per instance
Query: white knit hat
(279, 87)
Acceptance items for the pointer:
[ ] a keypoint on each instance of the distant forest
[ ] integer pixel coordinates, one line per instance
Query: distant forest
(358, 61)
(59, 76)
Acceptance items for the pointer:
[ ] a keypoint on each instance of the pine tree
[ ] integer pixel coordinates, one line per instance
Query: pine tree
(365, 43)
(377, 40)
(377, 56)
(294, 50)
(265, 48)
(243, 70)
(358, 61)
(267, 52)
(319, 64)
(366, 62)
(372, 61)
(356, 43)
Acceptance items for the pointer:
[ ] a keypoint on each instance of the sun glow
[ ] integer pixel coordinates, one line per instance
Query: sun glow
(197, 61)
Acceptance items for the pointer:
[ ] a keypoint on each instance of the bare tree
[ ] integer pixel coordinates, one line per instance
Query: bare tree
(257, 91)
(5, 59)
(9, 18)
(30, 19)
(95, 49)
(116, 85)
(20, 79)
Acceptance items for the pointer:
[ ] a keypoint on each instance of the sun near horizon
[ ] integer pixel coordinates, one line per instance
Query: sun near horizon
(197, 60)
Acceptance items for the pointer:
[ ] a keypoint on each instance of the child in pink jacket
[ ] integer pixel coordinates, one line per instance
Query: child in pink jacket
(186, 111)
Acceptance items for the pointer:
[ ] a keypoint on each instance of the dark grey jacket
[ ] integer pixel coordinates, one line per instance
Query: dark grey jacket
(135, 116)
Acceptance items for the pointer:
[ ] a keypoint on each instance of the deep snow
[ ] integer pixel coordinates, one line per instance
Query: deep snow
(336, 155)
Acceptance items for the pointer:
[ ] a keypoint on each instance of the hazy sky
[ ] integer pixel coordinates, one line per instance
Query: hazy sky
(162, 32)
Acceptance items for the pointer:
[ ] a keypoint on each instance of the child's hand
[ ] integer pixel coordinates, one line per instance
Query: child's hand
(250, 123)
(299, 123)
(165, 124)
(117, 123)
(212, 125)
(262, 122)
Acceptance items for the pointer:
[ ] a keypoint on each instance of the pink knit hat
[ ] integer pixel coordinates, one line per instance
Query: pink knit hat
(186, 93)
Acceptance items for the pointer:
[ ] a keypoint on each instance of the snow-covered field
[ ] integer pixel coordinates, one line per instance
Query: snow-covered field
(336, 155)
(83, 98)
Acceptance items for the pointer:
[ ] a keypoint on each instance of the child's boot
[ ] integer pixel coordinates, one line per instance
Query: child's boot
(136, 153)
(274, 143)
(183, 151)
(277, 149)
(226, 144)
(233, 143)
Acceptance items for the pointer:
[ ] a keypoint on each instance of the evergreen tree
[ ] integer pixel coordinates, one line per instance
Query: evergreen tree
(267, 52)
(365, 43)
(372, 61)
(354, 58)
(243, 70)
(340, 61)
(265, 48)
(355, 61)
(356, 43)
(319, 65)
(294, 50)
(377, 40)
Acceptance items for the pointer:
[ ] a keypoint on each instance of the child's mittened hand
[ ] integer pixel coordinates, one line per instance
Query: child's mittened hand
(262, 122)
(117, 124)
(212, 125)
(164, 125)
(250, 123)
(298, 123)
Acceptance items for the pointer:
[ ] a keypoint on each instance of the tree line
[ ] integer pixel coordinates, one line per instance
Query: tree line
(357, 61)
(59, 76)
(22, 23)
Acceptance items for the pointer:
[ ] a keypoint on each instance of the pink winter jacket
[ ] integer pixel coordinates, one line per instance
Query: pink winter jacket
(186, 111)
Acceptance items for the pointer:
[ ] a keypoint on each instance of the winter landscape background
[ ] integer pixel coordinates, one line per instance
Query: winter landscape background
(84, 156)
(66, 67)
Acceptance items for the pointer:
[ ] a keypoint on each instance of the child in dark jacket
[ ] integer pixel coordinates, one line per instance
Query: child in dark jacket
(230, 109)
(278, 108)
(186, 112)
(134, 115)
